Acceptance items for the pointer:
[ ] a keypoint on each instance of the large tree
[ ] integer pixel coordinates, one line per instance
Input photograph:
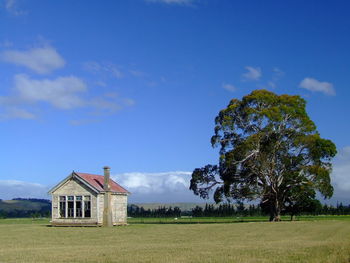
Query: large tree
(270, 151)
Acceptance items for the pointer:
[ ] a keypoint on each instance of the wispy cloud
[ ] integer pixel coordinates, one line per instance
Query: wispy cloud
(109, 69)
(173, 2)
(12, 7)
(42, 60)
(315, 85)
(252, 74)
(62, 93)
(83, 122)
(6, 44)
(137, 73)
(276, 76)
(13, 112)
(129, 102)
(272, 83)
(229, 87)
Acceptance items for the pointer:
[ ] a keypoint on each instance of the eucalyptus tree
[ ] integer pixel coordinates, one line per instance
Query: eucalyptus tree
(270, 150)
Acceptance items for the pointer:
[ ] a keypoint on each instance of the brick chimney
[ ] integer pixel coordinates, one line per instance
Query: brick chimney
(107, 208)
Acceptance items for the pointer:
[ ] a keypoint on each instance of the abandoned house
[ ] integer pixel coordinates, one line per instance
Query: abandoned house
(84, 199)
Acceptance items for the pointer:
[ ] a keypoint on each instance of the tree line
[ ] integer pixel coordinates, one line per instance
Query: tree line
(25, 208)
(162, 211)
(239, 209)
(16, 213)
(208, 210)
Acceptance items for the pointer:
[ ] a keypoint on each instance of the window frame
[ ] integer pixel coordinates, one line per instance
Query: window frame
(74, 198)
(86, 198)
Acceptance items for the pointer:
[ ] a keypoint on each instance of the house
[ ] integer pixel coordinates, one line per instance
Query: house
(84, 199)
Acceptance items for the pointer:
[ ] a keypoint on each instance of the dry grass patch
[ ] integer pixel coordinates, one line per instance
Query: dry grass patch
(320, 241)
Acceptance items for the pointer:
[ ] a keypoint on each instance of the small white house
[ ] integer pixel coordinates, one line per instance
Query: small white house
(84, 199)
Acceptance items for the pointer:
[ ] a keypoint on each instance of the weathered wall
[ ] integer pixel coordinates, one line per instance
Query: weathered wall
(119, 208)
(73, 187)
(100, 202)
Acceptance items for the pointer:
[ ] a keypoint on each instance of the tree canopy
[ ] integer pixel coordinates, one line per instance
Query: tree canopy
(270, 150)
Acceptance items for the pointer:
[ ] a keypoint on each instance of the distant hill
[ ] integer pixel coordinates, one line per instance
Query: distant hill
(21, 207)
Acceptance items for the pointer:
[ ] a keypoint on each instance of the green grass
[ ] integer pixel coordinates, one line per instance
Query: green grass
(12, 221)
(211, 220)
(27, 240)
(188, 220)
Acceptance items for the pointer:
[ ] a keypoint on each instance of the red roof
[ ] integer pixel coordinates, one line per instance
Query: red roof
(97, 182)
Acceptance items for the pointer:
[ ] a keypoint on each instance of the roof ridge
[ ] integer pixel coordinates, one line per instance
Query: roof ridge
(88, 173)
(117, 187)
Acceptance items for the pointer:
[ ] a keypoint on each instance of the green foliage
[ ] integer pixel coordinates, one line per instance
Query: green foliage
(270, 150)
(161, 211)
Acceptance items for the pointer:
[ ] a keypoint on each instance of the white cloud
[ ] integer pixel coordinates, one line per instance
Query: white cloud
(157, 187)
(104, 68)
(152, 182)
(137, 73)
(229, 87)
(165, 187)
(271, 84)
(277, 74)
(344, 153)
(62, 92)
(41, 60)
(12, 189)
(173, 2)
(252, 74)
(103, 104)
(83, 122)
(318, 86)
(341, 170)
(12, 7)
(6, 44)
(101, 84)
(129, 102)
(16, 113)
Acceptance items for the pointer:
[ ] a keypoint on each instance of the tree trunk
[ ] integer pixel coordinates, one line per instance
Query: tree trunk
(275, 211)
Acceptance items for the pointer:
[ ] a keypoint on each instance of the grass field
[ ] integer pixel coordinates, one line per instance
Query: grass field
(217, 220)
(25, 240)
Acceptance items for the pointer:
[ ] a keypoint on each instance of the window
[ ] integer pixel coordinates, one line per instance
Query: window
(78, 206)
(75, 206)
(87, 206)
(62, 206)
(70, 206)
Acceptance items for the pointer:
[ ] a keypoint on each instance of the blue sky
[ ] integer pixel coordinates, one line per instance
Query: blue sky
(136, 85)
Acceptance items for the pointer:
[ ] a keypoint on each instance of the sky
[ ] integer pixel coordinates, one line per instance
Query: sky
(136, 85)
